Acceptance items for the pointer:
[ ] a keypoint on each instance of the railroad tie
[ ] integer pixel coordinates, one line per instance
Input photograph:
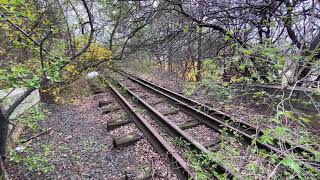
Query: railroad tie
(105, 103)
(135, 89)
(169, 113)
(141, 172)
(144, 96)
(189, 124)
(155, 103)
(110, 109)
(212, 145)
(98, 91)
(126, 140)
(117, 123)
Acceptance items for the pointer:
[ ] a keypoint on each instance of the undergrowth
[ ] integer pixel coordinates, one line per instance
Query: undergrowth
(246, 160)
(32, 116)
(285, 125)
(34, 162)
(203, 164)
(35, 158)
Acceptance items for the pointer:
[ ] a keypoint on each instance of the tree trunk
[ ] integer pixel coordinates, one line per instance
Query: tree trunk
(46, 95)
(4, 123)
(185, 70)
(170, 69)
(198, 75)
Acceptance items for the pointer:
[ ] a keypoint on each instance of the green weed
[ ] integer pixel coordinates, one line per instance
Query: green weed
(32, 116)
(34, 162)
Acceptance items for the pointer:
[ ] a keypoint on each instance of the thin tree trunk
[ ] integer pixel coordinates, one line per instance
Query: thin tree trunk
(170, 69)
(185, 70)
(4, 123)
(199, 63)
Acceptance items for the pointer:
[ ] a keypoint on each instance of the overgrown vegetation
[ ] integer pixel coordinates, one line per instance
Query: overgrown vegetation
(32, 117)
(215, 49)
(35, 158)
(34, 162)
(41, 49)
(201, 163)
(249, 162)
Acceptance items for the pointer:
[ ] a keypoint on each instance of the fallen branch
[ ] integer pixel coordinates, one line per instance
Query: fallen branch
(37, 135)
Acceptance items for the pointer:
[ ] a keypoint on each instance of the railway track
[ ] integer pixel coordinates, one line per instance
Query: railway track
(214, 119)
(167, 129)
(143, 131)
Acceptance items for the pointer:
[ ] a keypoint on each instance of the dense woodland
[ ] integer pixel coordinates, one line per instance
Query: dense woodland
(215, 46)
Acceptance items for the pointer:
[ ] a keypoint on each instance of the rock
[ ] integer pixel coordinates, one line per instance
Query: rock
(92, 74)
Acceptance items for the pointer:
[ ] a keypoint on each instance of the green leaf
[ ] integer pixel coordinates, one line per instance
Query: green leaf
(274, 158)
(289, 162)
(259, 94)
(276, 120)
(254, 75)
(185, 29)
(20, 71)
(4, 2)
(266, 137)
(270, 77)
(3, 75)
(278, 66)
(288, 114)
(315, 92)
(248, 52)
(305, 119)
(317, 154)
(281, 130)
(227, 37)
(296, 58)
(34, 82)
(281, 60)
(242, 67)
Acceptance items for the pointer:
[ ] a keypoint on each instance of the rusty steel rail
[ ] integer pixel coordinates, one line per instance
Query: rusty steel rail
(174, 131)
(162, 147)
(216, 119)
